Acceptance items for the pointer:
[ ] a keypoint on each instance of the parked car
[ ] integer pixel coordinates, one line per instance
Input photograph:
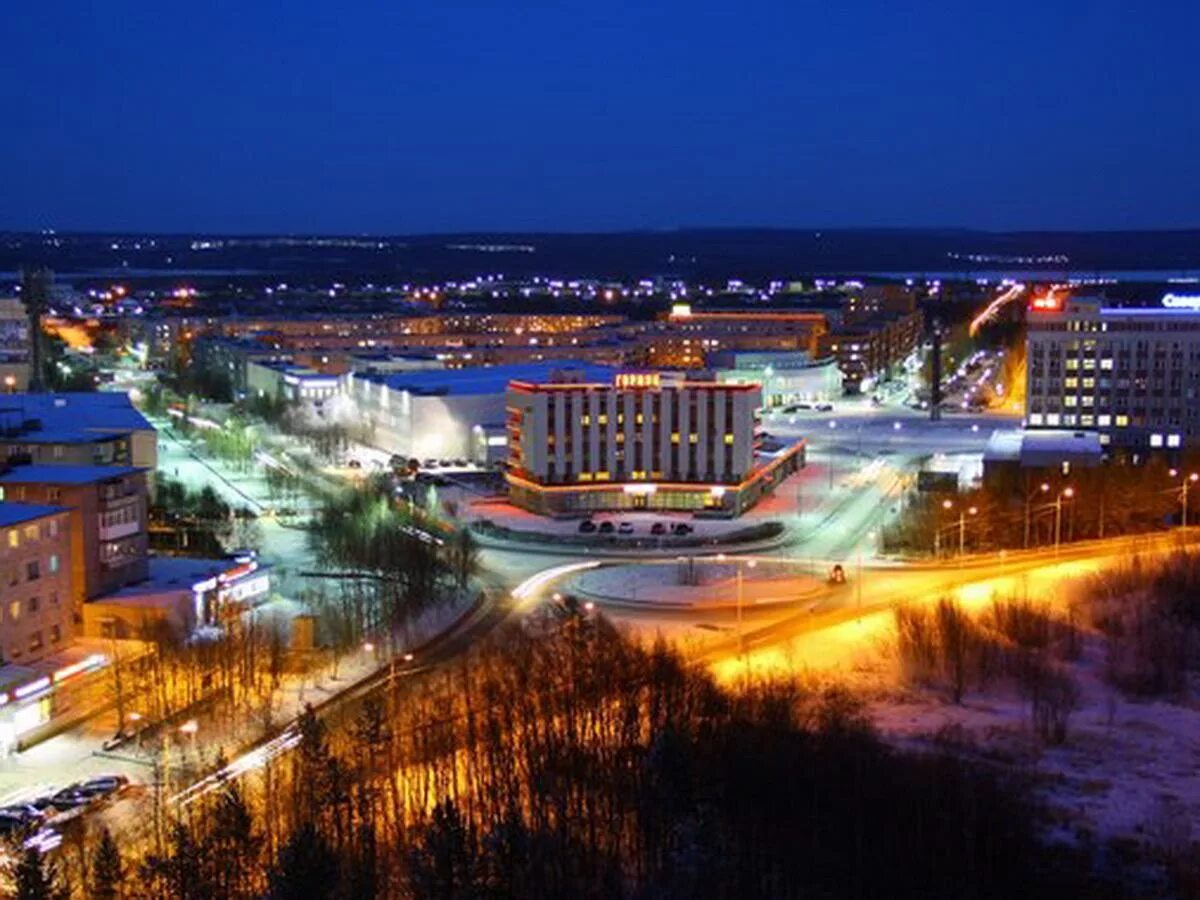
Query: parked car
(69, 798)
(11, 824)
(804, 406)
(658, 528)
(25, 811)
(607, 528)
(824, 407)
(429, 464)
(681, 528)
(461, 463)
(587, 526)
(625, 528)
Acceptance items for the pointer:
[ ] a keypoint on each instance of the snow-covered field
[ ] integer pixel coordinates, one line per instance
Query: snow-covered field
(1127, 769)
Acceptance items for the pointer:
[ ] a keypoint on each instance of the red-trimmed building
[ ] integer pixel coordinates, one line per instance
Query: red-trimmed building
(644, 440)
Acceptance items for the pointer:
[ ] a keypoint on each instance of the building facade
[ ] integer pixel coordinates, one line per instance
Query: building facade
(438, 414)
(638, 441)
(1132, 374)
(36, 616)
(107, 515)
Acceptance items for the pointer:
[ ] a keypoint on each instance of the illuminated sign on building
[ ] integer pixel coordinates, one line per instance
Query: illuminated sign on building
(1047, 303)
(1181, 301)
(638, 380)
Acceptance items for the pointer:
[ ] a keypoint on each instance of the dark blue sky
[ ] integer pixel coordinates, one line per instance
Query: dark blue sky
(400, 116)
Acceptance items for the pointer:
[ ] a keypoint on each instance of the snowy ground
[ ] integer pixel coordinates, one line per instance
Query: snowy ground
(1126, 770)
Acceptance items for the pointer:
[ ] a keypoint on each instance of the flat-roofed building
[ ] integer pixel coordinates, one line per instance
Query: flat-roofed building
(639, 440)
(36, 616)
(434, 414)
(786, 376)
(1132, 374)
(76, 429)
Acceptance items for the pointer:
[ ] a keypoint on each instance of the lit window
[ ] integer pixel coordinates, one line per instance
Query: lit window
(1070, 400)
(1172, 440)
(1052, 419)
(1104, 420)
(675, 437)
(1156, 440)
(1035, 418)
(728, 438)
(14, 539)
(693, 438)
(14, 610)
(1122, 421)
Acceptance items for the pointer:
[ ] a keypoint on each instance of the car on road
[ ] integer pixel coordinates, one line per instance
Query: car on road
(102, 786)
(625, 528)
(587, 526)
(658, 528)
(607, 528)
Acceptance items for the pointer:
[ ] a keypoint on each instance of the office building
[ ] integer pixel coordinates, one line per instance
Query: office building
(1132, 374)
(639, 440)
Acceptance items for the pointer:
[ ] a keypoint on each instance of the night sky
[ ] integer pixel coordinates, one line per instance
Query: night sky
(442, 115)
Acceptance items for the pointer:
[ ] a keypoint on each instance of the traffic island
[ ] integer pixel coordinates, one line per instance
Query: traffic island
(700, 583)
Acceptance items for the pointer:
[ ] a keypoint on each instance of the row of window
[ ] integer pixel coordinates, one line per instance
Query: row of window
(27, 534)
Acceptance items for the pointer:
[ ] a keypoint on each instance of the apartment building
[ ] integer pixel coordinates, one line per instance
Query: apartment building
(106, 515)
(1132, 374)
(639, 440)
(36, 617)
(76, 429)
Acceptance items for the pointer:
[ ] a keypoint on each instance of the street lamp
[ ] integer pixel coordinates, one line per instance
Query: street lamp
(741, 637)
(1187, 483)
(1068, 493)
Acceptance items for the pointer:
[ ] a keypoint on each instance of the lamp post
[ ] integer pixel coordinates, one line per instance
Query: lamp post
(1068, 493)
(962, 530)
(1029, 495)
(858, 581)
(1186, 485)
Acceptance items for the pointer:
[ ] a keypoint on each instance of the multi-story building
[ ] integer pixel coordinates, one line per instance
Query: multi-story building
(36, 617)
(76, 429)
(438, 413)
(685, 337)
(1133, 374)
(15, 345)
(107, 519)
(639, 441)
